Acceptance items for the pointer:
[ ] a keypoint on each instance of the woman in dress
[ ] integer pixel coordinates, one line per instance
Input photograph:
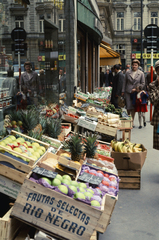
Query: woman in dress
(154, 99)
(133, 77)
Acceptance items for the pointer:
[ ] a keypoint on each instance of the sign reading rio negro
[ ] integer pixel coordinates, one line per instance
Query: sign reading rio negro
(58, 208)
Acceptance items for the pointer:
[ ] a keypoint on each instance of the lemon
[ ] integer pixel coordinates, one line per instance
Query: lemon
(34, 157)
(12, 137)
(42, 148)
(17, 149)
(30, 150)
(28, 143)
(34, 147)
(7, 140)
(40, 151)
(36, 144)
(36, 154)
(20, 139)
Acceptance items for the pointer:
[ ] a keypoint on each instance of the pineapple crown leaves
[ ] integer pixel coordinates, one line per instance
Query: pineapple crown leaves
(54, 128)
(90, 145)
(30, 119)
(75, 144)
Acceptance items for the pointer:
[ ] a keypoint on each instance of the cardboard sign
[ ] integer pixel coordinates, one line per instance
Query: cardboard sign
(44, 172)
(89, 178)
(9, 187)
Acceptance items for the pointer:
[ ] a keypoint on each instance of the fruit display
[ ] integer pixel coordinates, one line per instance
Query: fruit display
(20, 145)
(109, 183)
(78, 190)
(109, 119)
(126, 146)
(51, 110)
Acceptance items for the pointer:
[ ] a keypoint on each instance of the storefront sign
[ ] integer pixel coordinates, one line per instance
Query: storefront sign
(145, 55)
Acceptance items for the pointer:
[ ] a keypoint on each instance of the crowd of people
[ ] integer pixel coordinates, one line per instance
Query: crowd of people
(131, 85)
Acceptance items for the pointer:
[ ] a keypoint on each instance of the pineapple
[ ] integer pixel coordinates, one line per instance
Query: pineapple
(54, 128)
(90, 145)
(30, 119)
(43, 122)
(75, 147)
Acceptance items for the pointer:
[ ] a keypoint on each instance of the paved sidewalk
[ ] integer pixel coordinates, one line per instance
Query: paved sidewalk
(136, 214)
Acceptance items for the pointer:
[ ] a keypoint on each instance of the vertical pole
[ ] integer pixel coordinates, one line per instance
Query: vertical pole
(151, 81)
(141, 34)
(19, 70)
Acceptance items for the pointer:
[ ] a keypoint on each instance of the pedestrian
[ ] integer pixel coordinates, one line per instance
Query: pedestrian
(117, 85)
(154, 99)
(106, 78)
(132, 78)
(139, 98)
(101, 77)
(11, 83)
(111, 76)
(148, 79)
(30, 83)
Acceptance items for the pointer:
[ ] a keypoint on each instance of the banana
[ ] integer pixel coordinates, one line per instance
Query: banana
(138, 145)
(129, 149)
(125, 149)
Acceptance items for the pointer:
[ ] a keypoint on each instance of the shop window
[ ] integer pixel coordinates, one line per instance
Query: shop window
(19, 21)
(120, 20)
(120, 48)
(41, 23)
(61, 25)
(48, 16)
(154, 18)
(137, 20)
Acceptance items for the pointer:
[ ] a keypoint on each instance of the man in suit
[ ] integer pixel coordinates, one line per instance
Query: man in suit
(117, 85)
(30, 83)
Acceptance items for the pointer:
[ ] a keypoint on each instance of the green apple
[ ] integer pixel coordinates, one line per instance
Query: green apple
(90, 190)
(37, 145)
(83, 185)
(47, 180)
(82, 189)
(79, 195)
(20, 139)
(63, 189)
(17, 149)
(95, 203)
(73, 188)
(56, 182)
(88, 194)
(12, 137)
(66, 177)
(66, 181)
(74, 183)
(59, 177)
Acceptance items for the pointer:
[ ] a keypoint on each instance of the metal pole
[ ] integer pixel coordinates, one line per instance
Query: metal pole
(151, 80)
(19, 63)
(141, 34)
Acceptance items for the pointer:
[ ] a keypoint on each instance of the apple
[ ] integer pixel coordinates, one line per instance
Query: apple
(95, 203)
(66, 177)
(79, 195)
(87, 171)
(106, 175)
(74, 183)
(63, 189)
(66, 181)
(82, 189)
(88, 194)
(105, 183)
(58, 176)
(47, 180)
(82, 185)
(90, 190)
(56, 182)
(73, 188)
(100, 172)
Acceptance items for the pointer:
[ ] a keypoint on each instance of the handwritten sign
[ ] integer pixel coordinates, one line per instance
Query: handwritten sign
(44, 172)
(89, 178)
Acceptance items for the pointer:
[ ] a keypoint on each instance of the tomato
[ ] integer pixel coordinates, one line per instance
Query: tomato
(87, 171)
(100, 172)
(106, 175)
(105, 183)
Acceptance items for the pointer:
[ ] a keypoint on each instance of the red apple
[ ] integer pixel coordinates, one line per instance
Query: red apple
(105, 183)
(87, 171)
(100, 172)
(106, 175)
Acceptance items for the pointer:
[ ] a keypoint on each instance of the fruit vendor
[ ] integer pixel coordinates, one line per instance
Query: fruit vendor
(154, 99)
(29, 82)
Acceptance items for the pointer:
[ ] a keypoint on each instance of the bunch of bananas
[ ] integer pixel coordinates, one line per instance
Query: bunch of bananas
(126, 146)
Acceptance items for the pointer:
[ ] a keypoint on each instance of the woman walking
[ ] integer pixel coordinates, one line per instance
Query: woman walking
(154, 99)
(132, 79)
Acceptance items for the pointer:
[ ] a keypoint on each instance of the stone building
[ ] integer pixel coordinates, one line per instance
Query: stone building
(126, 18)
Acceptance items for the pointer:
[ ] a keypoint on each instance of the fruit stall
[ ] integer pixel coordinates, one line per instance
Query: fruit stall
(62, 179)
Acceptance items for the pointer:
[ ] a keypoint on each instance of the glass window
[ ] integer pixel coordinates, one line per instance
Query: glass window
(120, 48)
(137, 20)
(154, 18)
(48, 16)
(19, 21)
(41, 23)
(120, 20)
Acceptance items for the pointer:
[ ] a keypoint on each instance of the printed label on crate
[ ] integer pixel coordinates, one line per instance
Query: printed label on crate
(54, 211)
(65, 110)
(88, 125)
(44, 172)
(72, 110)
(9, 187)
(86, 177)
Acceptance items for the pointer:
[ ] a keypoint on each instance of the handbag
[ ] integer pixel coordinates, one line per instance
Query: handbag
(121, 102)
(157, 129)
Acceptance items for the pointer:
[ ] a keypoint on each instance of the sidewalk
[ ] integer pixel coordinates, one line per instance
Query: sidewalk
(136, 214)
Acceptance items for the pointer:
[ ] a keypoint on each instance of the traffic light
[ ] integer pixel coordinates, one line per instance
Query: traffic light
(19, 47)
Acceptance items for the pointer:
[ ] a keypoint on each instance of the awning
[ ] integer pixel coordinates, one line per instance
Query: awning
(108, 56)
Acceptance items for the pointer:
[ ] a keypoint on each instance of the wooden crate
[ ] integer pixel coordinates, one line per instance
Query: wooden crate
(15, 168)
(69, 119)
(66, 131)
(9, 226)
(54, 142)
(111, 131)
(129, 179)
(57, 213)
(126, 123)
(94, 236)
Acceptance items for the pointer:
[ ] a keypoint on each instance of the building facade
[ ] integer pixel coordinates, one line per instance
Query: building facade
(126, 18)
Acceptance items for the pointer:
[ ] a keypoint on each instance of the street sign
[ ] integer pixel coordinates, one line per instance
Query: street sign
(151, 30)
(18, 35)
